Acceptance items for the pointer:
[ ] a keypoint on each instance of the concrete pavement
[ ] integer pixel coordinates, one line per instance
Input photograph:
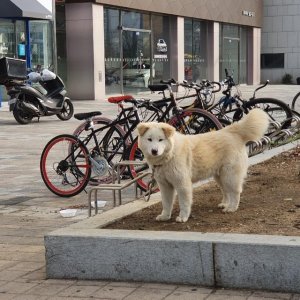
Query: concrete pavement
(28, 211)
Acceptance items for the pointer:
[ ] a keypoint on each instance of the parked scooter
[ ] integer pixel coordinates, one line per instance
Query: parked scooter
(27, 102)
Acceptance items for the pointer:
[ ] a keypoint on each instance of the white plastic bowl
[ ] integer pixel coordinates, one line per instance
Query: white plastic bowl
(67, 213)
(100, 203)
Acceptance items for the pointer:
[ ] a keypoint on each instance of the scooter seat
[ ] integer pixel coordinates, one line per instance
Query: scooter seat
(84, 116)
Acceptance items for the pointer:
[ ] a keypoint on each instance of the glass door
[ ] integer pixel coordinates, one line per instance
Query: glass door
(137, 68)
(230, 58)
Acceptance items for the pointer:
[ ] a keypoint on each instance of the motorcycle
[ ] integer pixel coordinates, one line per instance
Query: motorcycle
(28, 101)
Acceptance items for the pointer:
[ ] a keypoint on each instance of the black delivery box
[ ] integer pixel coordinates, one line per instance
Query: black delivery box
(12, 68)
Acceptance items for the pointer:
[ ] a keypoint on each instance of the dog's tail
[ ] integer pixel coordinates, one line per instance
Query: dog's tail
(253, 126)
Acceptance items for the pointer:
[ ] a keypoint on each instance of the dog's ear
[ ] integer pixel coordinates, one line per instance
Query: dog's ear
(168, 130)
(142, 128)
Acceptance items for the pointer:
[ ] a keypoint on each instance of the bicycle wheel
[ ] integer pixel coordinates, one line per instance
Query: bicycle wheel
(195, 121)
(65, 166)
(296, 103)
(190, 121)
(112, 146)
(277, 110)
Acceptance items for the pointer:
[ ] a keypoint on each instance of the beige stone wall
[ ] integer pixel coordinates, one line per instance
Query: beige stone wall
(229, 11)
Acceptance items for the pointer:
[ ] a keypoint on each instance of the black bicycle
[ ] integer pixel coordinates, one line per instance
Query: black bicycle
(232, 107)
(69, 162)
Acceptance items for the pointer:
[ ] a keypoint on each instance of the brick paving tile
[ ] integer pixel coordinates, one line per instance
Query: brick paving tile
(29, 266)
(283, 296)
(12, 275)
(35, 275)
(81, 298)
(190, 289)
(296, 297)
(263, 298)
(159, 286)
(79, 291)
(16, 287)
(123, 284)
(186, 296)
(226, 297)
(46, 289)
(114, 292)
(92, 282)
(148, 294)
(5, 296)
(4, 264)
(32, 297)
(232, 292)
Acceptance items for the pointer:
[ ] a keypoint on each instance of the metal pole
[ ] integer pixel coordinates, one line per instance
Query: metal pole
(54, 48)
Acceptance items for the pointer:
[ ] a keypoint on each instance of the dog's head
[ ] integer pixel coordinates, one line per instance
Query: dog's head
(155, 139)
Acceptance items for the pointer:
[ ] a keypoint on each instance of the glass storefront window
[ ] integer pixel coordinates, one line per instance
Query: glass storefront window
(136, 53)
(195, 50)
(7, 38)
(112, 51)
(161, 47)
(132, 19)
(41, 43)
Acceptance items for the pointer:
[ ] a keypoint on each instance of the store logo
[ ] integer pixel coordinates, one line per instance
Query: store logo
(247, 13)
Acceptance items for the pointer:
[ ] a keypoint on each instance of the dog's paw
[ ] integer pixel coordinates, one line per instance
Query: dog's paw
(180, 219)
(222, 205)
(229, 209)
(163, 218)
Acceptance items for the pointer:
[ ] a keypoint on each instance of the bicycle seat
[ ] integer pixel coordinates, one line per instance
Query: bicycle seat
(84, 116)
(157, 87)
(118, 99)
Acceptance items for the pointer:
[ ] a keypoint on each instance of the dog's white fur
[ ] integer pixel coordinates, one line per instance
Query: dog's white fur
(181, 160)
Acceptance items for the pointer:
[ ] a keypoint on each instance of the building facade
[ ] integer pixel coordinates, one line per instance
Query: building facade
(120, 46)
(280, 53)
(27, 32)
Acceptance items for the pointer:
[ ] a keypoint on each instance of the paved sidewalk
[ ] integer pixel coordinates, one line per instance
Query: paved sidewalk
(28, 211)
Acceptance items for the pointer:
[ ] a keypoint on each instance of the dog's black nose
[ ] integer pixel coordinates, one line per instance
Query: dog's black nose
(154, 152)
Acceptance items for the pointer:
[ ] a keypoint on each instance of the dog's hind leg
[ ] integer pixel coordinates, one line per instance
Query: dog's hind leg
(232, 186)
(167, 197)
(185, 198)
(224, 202)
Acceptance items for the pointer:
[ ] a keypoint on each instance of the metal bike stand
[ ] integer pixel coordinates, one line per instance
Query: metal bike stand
(115, 186)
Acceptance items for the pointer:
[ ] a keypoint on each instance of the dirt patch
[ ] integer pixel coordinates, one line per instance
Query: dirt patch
(270, 204)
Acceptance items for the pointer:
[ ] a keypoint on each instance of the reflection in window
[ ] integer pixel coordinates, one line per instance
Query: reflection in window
(41, 42)
(233, 51)
(7, 38)
(161, 47)
(195, 49)
(112, 51)
(132, 19)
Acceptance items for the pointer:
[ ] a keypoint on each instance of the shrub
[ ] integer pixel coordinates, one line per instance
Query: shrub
(287, 79)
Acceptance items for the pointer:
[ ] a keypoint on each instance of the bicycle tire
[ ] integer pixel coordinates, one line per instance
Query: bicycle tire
(296, 103)
(210, 123)
(112, 145)
(276, 109)
(65, 172)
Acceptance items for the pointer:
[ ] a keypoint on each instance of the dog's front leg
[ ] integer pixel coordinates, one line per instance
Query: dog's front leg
(167, 199)
(185, 198)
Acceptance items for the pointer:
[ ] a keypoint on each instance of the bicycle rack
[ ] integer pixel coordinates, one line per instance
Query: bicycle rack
(116, 186)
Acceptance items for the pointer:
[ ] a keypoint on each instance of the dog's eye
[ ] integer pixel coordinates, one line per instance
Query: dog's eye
(149, 139)
(160, 140)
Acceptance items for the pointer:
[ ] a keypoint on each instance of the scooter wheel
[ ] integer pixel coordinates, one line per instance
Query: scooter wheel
(67, 110)
(22, 117)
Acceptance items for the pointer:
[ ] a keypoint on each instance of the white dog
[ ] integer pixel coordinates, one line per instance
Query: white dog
(180, 160)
